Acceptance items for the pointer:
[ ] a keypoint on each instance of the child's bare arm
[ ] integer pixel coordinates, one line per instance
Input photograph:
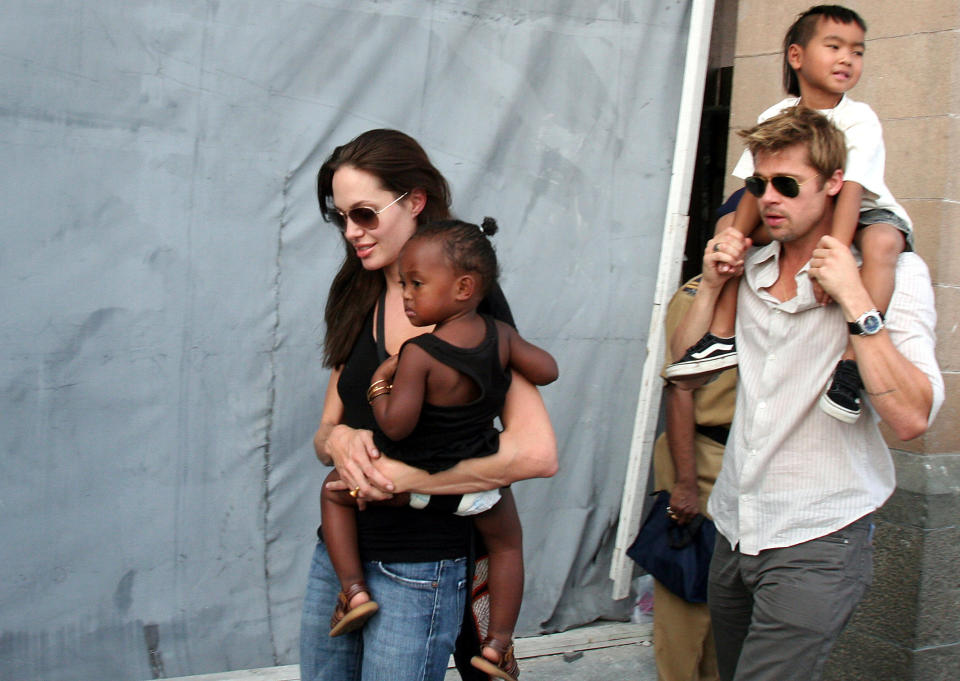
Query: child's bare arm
(747, 216)
(398, 411)
(536, 364)
(846, 213)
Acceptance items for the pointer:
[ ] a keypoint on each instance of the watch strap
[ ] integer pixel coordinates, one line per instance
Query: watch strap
(856, 327)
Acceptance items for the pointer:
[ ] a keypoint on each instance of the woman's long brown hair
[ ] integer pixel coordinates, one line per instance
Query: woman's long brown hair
(401, 165)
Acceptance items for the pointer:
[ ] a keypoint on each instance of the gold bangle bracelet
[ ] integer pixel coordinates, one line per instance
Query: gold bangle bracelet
(371, 399)
(375, 391)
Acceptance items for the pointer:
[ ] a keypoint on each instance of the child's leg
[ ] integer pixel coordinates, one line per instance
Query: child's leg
(880, 246)
(503, 536)
(339, 526)
(725, 312)
(717, 349)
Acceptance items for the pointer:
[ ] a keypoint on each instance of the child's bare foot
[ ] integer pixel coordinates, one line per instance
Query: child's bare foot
(361, 598)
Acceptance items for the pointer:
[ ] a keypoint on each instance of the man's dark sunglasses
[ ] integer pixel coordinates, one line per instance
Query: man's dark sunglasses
(785, 184)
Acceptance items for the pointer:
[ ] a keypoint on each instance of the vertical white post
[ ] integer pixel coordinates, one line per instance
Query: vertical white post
(668, 275)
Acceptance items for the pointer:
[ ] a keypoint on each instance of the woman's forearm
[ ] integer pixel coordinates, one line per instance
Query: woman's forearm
(528, 449)
(329, 419)
(472, 475)
(320, 439)
(351, 450)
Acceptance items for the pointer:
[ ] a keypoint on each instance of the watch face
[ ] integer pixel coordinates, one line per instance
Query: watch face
(871, 324)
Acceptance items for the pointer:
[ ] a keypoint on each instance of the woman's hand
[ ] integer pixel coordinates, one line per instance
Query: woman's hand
(350, 450)
(353, 452)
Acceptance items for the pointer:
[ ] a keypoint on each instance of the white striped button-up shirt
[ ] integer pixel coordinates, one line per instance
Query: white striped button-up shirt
(792, 473)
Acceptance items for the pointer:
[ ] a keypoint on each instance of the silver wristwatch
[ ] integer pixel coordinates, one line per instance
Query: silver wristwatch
(867, 324)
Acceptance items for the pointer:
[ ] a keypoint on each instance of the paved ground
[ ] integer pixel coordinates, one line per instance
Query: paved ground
(600, 652)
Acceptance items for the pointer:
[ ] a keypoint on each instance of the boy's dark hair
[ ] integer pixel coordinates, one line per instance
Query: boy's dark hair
(467, 247)
(804, 28)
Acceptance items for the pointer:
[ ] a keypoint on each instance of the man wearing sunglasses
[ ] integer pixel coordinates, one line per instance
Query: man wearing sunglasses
(795, 497)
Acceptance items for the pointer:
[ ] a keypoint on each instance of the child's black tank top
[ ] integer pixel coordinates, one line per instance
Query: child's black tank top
(403, 534)
(445, 435)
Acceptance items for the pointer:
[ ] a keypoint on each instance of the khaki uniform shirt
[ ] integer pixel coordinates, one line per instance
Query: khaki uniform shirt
(713, 405)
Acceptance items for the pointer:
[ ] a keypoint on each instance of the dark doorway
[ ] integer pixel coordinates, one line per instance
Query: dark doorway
(710, 170)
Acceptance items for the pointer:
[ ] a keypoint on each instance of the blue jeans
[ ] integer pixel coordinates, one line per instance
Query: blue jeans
(412, 635)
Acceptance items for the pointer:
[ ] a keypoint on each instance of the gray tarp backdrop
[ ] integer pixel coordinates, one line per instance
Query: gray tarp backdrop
(164, 271)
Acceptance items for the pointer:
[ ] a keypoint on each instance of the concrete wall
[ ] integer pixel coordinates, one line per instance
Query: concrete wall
(164, 271)
(907, 627)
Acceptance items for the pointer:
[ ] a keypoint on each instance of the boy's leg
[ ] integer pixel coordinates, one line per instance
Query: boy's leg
(339, 527)
(725, 313)
(501, 532)
(717, 349)
(880, 245)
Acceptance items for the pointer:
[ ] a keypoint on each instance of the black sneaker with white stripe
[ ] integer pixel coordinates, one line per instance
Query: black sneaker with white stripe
(708, 355)
(842, 398)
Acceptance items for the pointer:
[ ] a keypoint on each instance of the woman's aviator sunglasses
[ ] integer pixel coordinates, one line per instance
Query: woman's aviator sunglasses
(363, 217)
(785, 184)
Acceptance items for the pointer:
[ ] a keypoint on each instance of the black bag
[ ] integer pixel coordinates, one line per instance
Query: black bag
(678, 556)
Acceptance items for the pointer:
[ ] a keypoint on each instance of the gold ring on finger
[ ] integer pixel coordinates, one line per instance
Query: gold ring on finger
(355, 491)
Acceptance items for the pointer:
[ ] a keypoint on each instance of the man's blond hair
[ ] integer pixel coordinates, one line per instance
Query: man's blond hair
(826, 145)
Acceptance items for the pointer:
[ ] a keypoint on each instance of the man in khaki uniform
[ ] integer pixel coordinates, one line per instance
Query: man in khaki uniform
(687, 459)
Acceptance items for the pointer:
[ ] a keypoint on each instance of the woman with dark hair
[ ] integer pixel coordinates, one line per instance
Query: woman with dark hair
(379, 189)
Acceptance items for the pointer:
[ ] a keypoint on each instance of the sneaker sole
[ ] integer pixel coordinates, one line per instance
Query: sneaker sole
(838, 412)
(701, 366)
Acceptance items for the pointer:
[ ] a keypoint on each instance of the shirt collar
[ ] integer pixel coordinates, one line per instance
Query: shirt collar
(762, 269)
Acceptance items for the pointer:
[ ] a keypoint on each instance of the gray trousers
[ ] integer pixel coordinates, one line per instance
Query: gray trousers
(777, 614)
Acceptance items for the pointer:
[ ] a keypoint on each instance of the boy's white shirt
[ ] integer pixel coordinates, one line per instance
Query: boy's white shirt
(866, 155)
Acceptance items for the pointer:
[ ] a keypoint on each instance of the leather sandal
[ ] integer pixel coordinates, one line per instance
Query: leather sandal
(506, 669)
(346, 619)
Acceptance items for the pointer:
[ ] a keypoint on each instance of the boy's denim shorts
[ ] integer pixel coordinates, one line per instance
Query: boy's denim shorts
(877, 215)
